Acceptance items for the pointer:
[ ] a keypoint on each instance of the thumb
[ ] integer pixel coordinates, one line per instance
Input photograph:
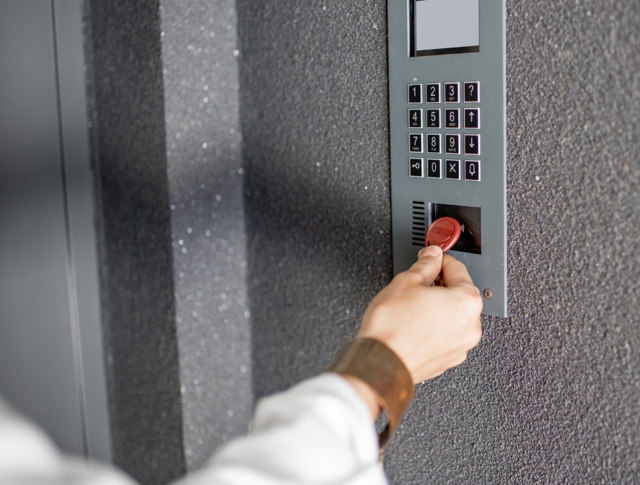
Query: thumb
(429, 264)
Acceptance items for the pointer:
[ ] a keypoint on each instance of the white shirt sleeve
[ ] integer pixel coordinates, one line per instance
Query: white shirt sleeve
(319, 432)
(316, 433)
(29, 457)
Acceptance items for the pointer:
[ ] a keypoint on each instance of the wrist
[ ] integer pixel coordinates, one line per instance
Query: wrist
(367, 393)
(386, 378)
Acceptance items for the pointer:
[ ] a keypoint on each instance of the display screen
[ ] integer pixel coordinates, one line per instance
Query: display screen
(440, 27)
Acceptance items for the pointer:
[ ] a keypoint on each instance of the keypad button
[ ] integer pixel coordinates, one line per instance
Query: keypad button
(472, 92)
(434, 169)
(452, 92)
(472, 118)
(433, 93)
(452, 169)
(415, 93)
(453, 118)
(433, 118)
(415, 143)
(433, 143)
(472, 170)
(472, 144)
(415, 118)
(416, 168)
(452, 144)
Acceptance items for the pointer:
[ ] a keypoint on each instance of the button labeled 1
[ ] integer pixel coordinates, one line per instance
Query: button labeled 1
(415, 93)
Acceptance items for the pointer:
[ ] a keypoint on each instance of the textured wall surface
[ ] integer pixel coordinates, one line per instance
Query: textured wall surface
(315, 139)
(134, 233)
(551, 395)
(205, 182)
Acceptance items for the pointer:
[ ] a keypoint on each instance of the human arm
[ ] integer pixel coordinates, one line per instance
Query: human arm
(431, 328)
(321, 431)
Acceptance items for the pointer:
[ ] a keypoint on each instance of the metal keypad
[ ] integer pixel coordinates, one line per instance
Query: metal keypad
(457, 129)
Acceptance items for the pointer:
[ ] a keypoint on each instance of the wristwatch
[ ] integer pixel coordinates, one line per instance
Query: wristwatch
(377, 365)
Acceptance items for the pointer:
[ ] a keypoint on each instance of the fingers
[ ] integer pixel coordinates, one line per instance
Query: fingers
(429, 264)
(454, 273)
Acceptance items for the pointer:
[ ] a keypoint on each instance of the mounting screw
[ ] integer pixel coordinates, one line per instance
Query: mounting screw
(487, 294)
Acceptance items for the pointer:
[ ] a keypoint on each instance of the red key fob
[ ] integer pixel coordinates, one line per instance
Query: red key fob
(444, 232)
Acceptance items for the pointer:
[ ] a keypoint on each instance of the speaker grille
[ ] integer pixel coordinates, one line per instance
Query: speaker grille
(418, 223)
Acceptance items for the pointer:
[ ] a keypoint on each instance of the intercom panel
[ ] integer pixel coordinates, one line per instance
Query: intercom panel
(447, 101)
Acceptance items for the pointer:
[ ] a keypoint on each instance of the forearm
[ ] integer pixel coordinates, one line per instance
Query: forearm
(319, 432)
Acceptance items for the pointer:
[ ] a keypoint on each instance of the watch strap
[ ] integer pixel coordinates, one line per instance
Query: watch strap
(376, 364)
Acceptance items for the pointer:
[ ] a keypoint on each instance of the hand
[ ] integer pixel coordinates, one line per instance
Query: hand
(431, 328)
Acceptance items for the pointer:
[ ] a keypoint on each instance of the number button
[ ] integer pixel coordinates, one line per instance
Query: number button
(452, 93)
(416, 167)
(472, 170)
(453, 169)
(472, 92)
(433, 143)
(415, 143)
(415, 118)
(472, 118)
(433, 93)
(453, 118)
(452, 144)
(472, 144)
(434, 169)
(433, 118)
(415, 93)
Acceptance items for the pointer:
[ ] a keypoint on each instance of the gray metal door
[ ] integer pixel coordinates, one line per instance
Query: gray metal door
(51, 355)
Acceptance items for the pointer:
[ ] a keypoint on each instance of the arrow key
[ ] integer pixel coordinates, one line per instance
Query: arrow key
(472, 144)
(472, 170)
(472, 118)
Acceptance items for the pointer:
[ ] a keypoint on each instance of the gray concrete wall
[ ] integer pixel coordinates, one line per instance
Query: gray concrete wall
(314, 117)
(208, 231)
(133, 217)
(552, 394)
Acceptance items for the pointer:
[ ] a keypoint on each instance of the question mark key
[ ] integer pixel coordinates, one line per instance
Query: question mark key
(472, 92)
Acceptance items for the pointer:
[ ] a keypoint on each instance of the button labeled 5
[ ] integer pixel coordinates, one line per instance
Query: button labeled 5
(433, 118)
